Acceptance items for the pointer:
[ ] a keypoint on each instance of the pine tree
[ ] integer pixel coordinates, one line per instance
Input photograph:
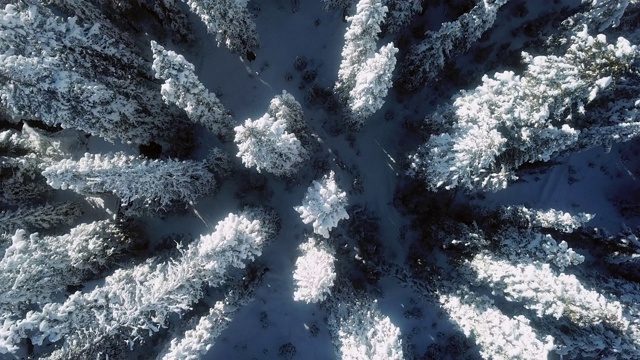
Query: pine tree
(548, 293)
(510, 120)
(315, 272)
(371, 86)
(549, 219)
(134, 180)
(359, 330)
(182, 87)
(87, 11)
(426, 59)
(285, 107)
(323, 205)
(497, 335)
(137, 301)
(266, 145)
(359, 43)
(537, 286)
(166, 12)
(38, 88)
(34, 267)
(21, 181)
(230, 22)
(400, 13)
(600, 14)
(44, 216)
(45, 146)
(196, 342)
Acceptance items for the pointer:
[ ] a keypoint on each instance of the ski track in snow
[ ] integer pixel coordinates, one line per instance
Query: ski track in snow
(555, 175)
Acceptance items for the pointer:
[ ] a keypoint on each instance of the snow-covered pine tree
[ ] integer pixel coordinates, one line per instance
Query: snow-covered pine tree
(182, 88)
(12, 143)
(324, 205)
(608, 135)
(36, 267)
(286, 107)
(510, 120)
(359, 43)
(549, 219)
(63, 73)
(266, 145)
(38, 217)
(219, 163)
(88, 12)
(516, 282)
(315, 273)
(136, 302)
(521, 244)
(21, 181)
(548, 293)
(371, 85)
(497, 335)
(134, 180)
(427, 58)
(46, 147)
(230, 22)
(166, 12)
(400, 13)
(196, 342)
(359, 330)
(599, 14)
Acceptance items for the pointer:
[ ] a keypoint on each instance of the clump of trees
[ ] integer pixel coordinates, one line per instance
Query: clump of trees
(364, 76)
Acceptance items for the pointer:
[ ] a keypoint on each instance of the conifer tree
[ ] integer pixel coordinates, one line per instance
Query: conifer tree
(230, 22)
(497, 335)
(546, 292)
(38, 217)
(359, 330)
(182, 88)
(549, 219)
(510, 120)
(266, 145)
(315, 272)
(365, 75)
(324, 205)
(134, 180)
(600, 14)
(427, 58)
(166, 12)
(359, 43)
(286, 107)
(35, 267)
(371, 86)
(37, 146)
(197, 341)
